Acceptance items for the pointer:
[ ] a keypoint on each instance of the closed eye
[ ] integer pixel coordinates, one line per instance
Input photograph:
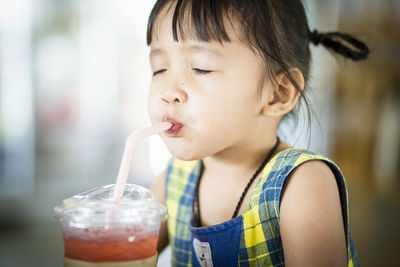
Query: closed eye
(201, 72)
(158, 72)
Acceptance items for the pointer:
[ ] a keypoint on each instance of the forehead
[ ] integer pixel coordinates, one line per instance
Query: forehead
(191, 47)
(190, 36)
(186, 25)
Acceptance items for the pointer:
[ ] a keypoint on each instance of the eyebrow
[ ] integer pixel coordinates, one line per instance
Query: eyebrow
(156, 51)
(190, 48)
(204, 49)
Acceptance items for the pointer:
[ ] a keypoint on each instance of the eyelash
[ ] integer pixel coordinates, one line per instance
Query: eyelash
(198, 71)
(201, 72)
(158, 72)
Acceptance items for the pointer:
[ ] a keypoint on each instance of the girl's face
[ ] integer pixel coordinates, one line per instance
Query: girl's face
(208, 90)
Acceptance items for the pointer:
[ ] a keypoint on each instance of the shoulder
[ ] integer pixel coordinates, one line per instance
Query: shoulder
(295, 157)
(288, 164)
(310, 213)
(307, 175)
(311, 180)
(300, 161)
(303, 172)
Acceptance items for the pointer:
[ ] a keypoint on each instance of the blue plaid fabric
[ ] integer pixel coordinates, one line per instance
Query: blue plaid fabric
(260, 242)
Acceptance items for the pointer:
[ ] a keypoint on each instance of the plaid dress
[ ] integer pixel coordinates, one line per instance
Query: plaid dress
(259, 243)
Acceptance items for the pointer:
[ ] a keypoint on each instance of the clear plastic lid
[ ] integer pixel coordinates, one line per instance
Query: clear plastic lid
(96, 208)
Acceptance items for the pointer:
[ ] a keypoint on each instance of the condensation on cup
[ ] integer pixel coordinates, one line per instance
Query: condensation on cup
(97, 231)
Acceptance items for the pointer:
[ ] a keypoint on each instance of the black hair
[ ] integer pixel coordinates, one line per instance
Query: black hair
(276, 29)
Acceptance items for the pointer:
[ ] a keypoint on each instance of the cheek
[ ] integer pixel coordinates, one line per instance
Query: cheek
(229, 118)
(218, 117)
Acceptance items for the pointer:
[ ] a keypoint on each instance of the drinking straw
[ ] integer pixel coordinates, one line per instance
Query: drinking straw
(128, 155)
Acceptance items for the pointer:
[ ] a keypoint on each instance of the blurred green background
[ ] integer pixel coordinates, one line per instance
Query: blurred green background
(74, 76)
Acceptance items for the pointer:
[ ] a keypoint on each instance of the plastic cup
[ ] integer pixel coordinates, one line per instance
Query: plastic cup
(97, 231)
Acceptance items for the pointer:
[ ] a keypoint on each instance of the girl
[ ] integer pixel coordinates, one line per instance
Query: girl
(225, 73)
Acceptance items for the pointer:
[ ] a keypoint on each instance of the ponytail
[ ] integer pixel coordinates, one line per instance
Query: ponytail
(341, 43)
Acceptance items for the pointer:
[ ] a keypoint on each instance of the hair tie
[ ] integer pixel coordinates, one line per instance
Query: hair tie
(341, 43)
(315, 37)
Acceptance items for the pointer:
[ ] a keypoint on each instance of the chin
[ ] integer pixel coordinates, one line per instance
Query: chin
(183, 153)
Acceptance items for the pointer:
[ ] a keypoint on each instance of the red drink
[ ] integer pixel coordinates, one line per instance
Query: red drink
(103, 250)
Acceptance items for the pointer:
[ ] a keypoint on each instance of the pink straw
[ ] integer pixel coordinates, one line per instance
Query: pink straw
(128, 155)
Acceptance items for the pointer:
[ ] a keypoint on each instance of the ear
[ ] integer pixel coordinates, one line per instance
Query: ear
(282, 95)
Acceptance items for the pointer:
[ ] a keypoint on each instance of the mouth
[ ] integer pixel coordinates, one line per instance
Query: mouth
(175, 127)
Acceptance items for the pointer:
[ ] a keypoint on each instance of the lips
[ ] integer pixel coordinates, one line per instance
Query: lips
(174, 129)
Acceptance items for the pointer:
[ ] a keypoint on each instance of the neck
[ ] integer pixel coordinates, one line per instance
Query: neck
(239, 161)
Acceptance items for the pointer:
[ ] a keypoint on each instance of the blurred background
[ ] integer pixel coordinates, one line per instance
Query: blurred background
(74, 77)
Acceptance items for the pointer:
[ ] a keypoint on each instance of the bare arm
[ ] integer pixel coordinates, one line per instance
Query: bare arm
(158, 189)
(311, 221)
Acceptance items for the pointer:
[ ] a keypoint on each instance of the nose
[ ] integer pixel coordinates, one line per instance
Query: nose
(174, 94)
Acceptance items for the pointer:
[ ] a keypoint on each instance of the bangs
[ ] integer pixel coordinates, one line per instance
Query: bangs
(200, 20)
